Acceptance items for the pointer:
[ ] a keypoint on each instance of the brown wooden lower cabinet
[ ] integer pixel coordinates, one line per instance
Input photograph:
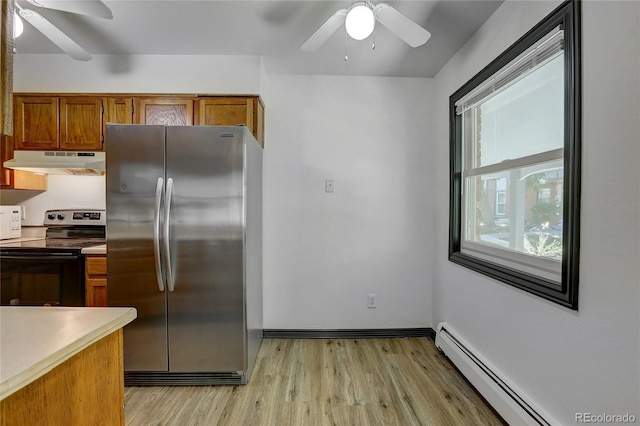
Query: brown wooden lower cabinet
(87, 389)
(96, 280)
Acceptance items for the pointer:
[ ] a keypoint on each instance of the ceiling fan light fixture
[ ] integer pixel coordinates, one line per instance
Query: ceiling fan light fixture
(360, 21)
(18, 26)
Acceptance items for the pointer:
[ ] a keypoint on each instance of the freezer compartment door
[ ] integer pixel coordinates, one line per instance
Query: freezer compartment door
(135, 180)
(206, 307)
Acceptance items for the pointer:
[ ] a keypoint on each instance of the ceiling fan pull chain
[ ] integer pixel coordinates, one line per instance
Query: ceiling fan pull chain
(372, 7)
(373, 46)
(346, 41)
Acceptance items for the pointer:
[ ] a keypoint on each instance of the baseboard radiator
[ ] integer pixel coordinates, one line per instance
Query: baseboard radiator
(514, 407)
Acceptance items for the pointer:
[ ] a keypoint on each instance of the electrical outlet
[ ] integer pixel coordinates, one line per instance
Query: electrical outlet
(372, 300)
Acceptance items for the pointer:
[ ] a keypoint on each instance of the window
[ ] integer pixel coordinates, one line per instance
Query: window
(515, 162)
(544, 195)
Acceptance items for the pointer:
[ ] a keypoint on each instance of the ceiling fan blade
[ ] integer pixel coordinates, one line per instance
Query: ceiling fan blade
(325, 31)
(412, 34)
(82, 7)
(52, 32)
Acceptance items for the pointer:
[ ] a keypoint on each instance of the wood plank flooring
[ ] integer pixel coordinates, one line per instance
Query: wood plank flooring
(317, 382)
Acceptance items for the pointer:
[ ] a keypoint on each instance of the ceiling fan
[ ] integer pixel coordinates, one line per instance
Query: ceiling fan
(85, 7)
(359, 20)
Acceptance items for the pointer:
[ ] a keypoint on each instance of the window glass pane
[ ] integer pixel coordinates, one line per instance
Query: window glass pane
(518, 210)
(524, 119)
(501, 202)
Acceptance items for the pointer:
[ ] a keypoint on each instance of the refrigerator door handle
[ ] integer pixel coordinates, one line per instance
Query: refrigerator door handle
(167, 248)
(156, 234)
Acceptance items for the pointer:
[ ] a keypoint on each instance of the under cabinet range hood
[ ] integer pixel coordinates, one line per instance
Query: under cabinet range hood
(59, 162)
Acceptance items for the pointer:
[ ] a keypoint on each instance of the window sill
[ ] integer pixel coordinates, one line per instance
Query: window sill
(529, 283)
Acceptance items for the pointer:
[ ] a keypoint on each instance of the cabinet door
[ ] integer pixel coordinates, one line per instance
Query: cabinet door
(96, 292)
(81, 123)
(36, 122)
(165, 111)
(96, 281)
(119, 110)
(226, 111)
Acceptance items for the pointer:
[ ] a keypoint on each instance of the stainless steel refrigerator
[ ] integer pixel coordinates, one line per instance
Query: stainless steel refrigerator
(184, 247)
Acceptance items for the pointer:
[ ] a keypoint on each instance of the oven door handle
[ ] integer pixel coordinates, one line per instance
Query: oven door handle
(156, 234)
(167, 246)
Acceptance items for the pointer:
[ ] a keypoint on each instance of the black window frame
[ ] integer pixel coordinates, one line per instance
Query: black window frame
(568, 16)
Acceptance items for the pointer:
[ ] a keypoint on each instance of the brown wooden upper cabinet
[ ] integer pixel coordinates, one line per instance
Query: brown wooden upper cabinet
(227, 111)
(52, 123)
(165, 111)
(81, 123)
(78, 121)
(119, 110)
(36, 122)
(232, 111)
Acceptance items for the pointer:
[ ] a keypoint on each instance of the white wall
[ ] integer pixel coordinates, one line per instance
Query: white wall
(63, 192)
(324, 252)
(138, 74)
(566, 361)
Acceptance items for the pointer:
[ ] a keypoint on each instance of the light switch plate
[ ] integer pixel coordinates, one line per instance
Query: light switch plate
(328, 185)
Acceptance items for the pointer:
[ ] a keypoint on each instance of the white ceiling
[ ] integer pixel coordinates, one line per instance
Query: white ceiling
(267, 28)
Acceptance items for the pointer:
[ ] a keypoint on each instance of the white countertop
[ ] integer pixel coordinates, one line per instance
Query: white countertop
(35, 340)
(101, 249)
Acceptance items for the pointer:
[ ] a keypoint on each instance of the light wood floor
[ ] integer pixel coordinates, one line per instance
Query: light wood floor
(315, 382)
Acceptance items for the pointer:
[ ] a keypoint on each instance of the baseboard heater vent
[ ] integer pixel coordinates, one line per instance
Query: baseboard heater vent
(504, 397)
(162, 378)
(369, 333)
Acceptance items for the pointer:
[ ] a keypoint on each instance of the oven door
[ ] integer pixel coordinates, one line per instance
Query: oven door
(42, 279)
